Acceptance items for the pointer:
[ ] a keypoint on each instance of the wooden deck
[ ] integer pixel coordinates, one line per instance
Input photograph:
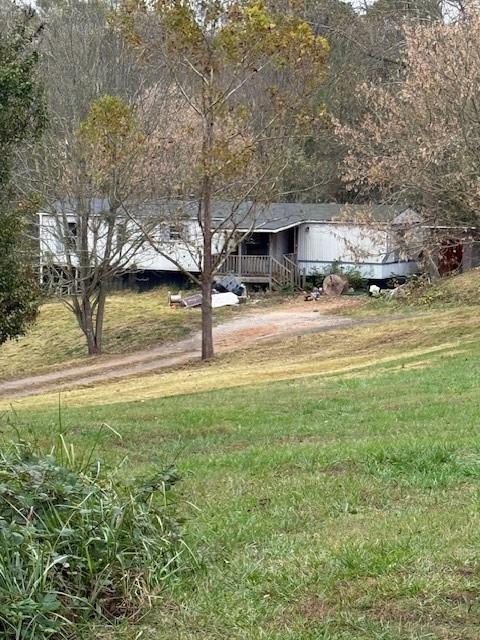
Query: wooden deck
(263, 270)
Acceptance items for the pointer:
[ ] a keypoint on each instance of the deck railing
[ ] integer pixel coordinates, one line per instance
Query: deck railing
(247, 265)
(290, 262)
(283, 272)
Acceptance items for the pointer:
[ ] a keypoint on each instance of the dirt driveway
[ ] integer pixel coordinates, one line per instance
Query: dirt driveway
(252, 326)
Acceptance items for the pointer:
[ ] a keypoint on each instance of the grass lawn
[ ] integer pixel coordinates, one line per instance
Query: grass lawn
(339, 502)
(132, 321)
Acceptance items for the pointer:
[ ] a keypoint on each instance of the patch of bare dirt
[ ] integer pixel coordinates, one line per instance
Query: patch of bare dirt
(314, 609)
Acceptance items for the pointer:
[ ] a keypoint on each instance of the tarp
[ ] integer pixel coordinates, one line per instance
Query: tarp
(224, 300)
(218, 300)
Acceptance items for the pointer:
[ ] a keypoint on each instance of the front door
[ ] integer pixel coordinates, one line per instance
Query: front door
(257, 244)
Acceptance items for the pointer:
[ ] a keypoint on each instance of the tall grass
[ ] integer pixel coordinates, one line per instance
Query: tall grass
(78, 544)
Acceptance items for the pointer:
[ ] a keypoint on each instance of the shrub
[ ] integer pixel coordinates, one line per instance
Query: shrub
(353, 276)
(76, 544)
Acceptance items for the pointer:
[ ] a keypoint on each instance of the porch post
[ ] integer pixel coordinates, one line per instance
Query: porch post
(239, 274)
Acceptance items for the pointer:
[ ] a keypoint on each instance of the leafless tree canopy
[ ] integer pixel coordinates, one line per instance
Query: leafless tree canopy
(98, 158)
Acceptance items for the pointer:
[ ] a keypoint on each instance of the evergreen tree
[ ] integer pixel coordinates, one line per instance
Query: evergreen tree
(22, 115)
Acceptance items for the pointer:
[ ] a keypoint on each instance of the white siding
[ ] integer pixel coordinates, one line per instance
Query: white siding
(321, 244)
(186, 253)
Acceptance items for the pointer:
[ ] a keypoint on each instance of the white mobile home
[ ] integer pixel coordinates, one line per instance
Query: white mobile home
(316, 236)
(282, 241)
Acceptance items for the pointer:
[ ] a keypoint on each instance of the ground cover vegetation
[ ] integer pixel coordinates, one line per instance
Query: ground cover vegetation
(325, 506)
(330, 482)
(133, 321)
(77, 543)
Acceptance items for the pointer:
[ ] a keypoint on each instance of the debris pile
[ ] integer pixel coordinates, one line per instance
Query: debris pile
(231, 284)
(227, 292)
(314, 294)
(226, 299)
(400, 291)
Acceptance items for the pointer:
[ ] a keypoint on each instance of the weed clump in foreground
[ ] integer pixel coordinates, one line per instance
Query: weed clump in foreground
(76, 544)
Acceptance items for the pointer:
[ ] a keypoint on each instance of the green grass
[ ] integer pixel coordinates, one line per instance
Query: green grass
(341, 508)
(414, 341)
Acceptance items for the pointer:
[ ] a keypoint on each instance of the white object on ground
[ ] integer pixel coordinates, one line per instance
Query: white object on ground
(224, 300)
(374, 291)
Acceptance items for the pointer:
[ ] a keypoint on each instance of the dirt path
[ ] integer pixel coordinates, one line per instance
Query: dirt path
(251, 327)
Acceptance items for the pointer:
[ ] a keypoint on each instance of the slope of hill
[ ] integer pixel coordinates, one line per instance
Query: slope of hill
(463, 289)
(132, 321)
(330, 483)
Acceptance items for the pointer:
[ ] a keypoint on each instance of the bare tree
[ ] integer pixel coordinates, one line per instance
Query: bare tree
(95, 161)
(419, 140)
(87, 238)
(367, 43)
(227, 61)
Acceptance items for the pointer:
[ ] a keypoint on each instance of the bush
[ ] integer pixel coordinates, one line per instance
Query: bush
(76, 544)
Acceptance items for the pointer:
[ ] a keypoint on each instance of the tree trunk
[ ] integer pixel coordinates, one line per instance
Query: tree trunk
(206, 223)
(84, 314)
(207, 318)
(86, 324)
(207, 272)
(100, 315)
(93, 349)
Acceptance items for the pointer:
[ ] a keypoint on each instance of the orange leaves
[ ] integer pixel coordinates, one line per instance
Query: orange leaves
(419, 138)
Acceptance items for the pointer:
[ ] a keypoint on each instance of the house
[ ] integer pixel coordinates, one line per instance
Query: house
(310, 238)
(280, 243)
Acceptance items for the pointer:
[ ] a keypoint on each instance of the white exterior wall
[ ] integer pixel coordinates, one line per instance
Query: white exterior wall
(321, 244)
(148, 259)
(49, 244)
(318, 248)
(187, 253)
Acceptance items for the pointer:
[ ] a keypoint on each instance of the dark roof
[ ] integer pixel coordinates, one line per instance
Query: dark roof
(282, 215)
(247, 215)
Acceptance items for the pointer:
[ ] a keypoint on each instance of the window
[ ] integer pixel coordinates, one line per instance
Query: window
(71, 235)
(174, 232)
(178, 231)
(73, 229)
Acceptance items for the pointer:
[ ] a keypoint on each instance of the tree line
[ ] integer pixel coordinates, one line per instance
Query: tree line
(109, 106)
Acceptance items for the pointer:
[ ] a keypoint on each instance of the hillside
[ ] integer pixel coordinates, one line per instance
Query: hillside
(330, 482)
(463, 289)
(132, 321)
(136, 321)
